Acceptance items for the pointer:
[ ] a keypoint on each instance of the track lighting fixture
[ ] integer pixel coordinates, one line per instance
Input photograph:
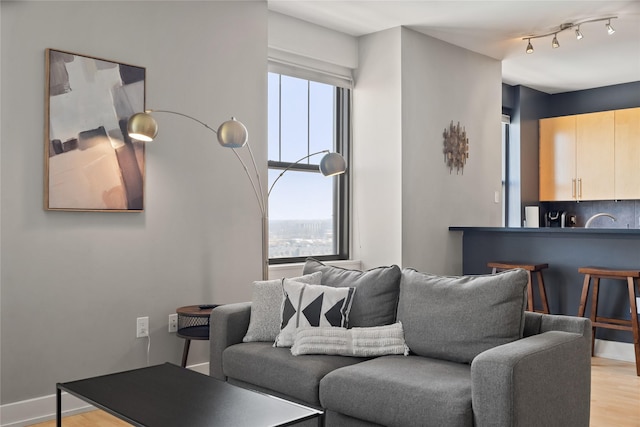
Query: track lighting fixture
(610, 29)
(567, 26)
(529, 47)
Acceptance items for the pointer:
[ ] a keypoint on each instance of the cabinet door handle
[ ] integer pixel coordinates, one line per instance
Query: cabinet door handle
(580, 188)
(573, 188)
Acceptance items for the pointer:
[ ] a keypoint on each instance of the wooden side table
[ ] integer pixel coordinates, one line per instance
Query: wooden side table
(193, 324)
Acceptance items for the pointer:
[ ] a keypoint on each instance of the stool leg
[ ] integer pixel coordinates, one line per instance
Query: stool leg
(634, 322)
(530, 306)
(594, 311)
(543, 293)
(583, 297)
(185, 352)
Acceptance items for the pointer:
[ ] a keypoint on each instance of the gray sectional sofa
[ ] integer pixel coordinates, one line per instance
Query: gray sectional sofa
(476, 357)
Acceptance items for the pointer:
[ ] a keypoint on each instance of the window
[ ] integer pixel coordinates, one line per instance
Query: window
(308, 212)
(506, 121)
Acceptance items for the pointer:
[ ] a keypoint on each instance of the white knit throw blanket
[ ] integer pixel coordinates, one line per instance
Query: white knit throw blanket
(361, 342)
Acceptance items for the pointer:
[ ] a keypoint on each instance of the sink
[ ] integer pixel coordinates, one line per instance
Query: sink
(598, 215)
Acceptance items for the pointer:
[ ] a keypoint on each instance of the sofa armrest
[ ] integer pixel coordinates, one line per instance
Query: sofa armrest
(541, 380)
(228, 325)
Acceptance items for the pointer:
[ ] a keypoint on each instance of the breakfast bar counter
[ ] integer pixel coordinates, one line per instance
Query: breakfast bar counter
(565, 250)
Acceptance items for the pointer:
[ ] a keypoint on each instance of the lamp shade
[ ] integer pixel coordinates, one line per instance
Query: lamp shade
(143, 127)
(232, 134)
(333, 164)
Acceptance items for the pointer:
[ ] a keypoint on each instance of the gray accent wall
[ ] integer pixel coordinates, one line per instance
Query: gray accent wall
(73, 283)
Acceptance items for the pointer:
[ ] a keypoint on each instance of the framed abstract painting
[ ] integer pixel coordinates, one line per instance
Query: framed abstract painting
(91, 164)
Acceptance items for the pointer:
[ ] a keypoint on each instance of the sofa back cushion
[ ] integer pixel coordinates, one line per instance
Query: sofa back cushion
(457, 318)
(376, 298)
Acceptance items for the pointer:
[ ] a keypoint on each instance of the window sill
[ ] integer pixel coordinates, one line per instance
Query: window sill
(278, 271)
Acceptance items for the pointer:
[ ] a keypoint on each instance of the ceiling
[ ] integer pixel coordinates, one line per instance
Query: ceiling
(496, 29)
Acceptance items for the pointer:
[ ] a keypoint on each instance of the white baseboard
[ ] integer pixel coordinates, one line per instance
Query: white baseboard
(614, 350)
(41, 409)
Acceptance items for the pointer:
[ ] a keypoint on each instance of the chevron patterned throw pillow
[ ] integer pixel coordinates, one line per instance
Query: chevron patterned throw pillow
(305, 305)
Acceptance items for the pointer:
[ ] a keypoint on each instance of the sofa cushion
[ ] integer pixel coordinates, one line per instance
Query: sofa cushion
(365, 342)
(456, 318)
(312, 305)
(376, 298)
(413, 390)
(266, 303)
(277, 369)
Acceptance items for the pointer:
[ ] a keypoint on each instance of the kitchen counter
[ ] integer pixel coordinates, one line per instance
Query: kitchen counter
(565, 250)
(553, 230)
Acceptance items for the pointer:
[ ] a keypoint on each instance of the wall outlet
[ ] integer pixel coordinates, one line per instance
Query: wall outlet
(142, 327)
(496, 197)
(173, 322)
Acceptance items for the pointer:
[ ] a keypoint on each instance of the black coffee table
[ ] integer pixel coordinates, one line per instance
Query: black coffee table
(170, 396)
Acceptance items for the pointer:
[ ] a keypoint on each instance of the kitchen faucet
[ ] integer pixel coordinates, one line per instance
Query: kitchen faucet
(590, 220)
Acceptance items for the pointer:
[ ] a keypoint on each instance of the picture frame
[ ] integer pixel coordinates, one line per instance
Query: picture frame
(91, 164)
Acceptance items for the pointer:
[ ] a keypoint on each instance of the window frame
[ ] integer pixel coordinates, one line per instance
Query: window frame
(341, 186)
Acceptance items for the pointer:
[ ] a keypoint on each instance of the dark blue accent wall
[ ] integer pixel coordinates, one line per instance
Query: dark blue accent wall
(526, 106)
(565, 250)
(615, 97)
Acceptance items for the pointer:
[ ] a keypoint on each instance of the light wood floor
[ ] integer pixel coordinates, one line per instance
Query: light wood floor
(615, 399)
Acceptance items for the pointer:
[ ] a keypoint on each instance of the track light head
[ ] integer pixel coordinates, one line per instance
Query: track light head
(554, 43)
(529, 46)
(610, 29)
(578, 33)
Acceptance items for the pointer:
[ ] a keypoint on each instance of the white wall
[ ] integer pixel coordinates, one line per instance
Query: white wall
(440, 83)
(377, 151)
(0, 213)
(408, 89)
(73, 283)
(288, 35)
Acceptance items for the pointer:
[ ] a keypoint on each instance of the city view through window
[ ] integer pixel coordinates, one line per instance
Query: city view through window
(301, 205)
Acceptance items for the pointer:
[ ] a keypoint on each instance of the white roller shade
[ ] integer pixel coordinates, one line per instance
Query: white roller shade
(310, 69)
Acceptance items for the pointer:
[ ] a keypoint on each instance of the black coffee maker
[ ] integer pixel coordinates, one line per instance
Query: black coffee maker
(554, 218)
(559, 219)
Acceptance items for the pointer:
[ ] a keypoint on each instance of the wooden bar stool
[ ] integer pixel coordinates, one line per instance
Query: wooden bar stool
(631, 278)
(530, 268)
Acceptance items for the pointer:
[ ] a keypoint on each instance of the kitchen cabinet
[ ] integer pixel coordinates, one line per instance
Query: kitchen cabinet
(557, 158)
(577, 157)
(595, 156)
(627, 154)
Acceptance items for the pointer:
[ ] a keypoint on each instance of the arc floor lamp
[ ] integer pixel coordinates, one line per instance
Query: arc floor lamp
(233, 134)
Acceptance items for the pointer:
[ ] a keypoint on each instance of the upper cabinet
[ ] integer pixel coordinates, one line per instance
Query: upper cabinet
(558, 158)
(627, 154)
(593, 156)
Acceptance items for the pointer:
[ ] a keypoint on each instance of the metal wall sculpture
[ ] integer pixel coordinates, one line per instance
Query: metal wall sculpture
(456, 147)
